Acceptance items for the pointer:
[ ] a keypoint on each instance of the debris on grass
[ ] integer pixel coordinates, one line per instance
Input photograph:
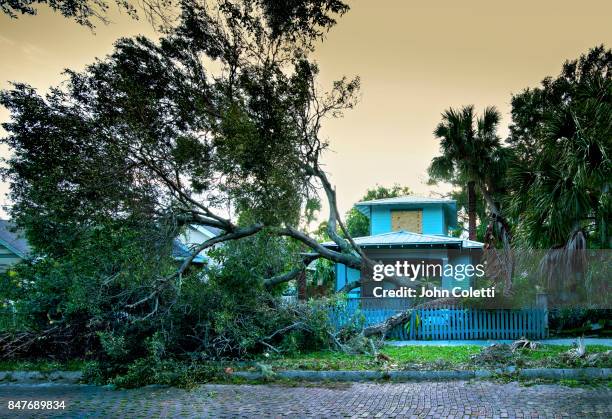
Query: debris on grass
(383, 358)
(599, 358)
(578, 355)
(524, 343)
(497, 354)
(579, 351)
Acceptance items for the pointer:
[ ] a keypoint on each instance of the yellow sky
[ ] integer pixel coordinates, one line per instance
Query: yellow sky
(414, 58)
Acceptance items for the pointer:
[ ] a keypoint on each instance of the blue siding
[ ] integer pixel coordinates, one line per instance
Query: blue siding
(444, 223)
(381, 220)
(436, 219)
(433, 220)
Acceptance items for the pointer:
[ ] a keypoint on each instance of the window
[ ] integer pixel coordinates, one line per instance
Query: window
(408, 220)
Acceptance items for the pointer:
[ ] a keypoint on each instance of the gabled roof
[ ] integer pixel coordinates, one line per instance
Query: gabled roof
(407, 199)
(180, 252)
(14, 239)
(407, 238)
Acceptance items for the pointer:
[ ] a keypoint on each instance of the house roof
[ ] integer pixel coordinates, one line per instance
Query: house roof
(14, 239)
(180, 251)
(207, 230)
(411, 202)
(471, 244)
(407, 199)
(407, 238)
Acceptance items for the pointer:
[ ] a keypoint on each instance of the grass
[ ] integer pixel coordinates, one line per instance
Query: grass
(401, 358)
(416, 357)
(426, 358)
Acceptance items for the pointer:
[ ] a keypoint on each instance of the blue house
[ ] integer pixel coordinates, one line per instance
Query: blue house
(413, 229)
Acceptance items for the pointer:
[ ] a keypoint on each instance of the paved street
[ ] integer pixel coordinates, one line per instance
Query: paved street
(434, 399)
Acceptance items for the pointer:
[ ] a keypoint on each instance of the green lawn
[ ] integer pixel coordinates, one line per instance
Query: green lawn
(429, 358)
(401, 358)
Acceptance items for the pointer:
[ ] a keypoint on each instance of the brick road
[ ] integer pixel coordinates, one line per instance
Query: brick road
(434, 399)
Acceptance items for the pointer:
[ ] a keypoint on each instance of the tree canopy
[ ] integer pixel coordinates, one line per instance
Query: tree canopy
(283, 16)
(217, 124)
(561, 137)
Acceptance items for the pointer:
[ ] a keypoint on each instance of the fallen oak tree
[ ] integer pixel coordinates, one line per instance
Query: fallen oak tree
(153, 132)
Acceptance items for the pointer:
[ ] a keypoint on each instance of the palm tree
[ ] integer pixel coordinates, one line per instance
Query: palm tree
(561, 190)
(473, 156)
(563, 184)
(471, 152)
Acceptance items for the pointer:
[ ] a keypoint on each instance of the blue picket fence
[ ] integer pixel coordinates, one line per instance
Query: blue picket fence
(447, 323)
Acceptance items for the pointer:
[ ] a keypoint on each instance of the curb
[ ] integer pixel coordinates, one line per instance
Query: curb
(531, 373)
(74, 377)
(37, 377)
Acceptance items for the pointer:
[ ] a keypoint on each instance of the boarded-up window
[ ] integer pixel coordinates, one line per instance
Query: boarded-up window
(407, 220)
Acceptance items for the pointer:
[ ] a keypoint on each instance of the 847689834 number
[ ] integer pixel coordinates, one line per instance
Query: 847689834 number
(36, 404)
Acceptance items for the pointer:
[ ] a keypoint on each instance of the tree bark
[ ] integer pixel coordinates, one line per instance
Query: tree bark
(381, 329)
(472, 210)
(301, 285)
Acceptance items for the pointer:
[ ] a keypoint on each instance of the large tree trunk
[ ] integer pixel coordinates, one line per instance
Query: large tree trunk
(472, 210)
(500, 262)
(301, 286)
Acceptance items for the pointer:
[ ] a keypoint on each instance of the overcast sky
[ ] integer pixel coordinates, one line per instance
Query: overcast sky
(415, 59)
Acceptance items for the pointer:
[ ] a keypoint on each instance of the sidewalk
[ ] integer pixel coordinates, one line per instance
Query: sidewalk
(563, 341)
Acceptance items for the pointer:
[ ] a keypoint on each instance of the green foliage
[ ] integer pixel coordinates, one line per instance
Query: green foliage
(323, 276)
(576, 321)
(107, 169)
(92, 280)
(222, 312)
(469, 146)
(471, 151)
(561, 133)
(43, 365)
(82, 11)
(135, 134)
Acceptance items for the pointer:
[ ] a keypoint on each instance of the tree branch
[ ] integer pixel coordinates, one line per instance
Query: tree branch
(288, 276)
(349, 260)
